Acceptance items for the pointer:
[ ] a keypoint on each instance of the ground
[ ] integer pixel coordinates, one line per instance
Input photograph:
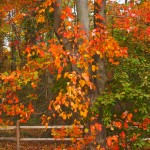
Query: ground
(28, 145)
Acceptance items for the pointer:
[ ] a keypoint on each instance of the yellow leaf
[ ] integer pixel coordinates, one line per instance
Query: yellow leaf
(98, 147)
(97, 52)
(40, 19)
(46, 125)
(49, 118)
(82, 83)
(58, 76)
(57, 107)
(41, 11)
(63, 115)
(53, 132)
(100, 55)
(86, 130)
(69, 115)
(83, 113)
(66, 74)
(86, 56)
(112, 128)
(93, 68)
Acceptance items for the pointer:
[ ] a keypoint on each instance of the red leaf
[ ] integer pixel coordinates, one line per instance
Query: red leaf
(63, 16)
(41, 53)
(30, 107)
(10, 101)
(122, 134)
(116, 147)
(126, 124)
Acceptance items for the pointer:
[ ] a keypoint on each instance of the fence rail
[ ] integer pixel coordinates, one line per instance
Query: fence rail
(18, 139)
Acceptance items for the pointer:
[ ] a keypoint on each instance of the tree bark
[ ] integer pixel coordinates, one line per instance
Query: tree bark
(100, 83)
(82, 15)
(57, 19)
(58, 26)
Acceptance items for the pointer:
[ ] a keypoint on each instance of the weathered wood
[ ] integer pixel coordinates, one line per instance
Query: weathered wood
(49, 127)
(18, 135)
(7, 138)
(18, 139)
(48, 139)
(7, 127)
(39, 127)
(146, 139)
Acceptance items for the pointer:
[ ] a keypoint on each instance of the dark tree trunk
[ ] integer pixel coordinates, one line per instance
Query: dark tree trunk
(100, 82)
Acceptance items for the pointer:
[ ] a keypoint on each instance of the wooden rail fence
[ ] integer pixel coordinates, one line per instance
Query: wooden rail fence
(18, 128)
(18, 139)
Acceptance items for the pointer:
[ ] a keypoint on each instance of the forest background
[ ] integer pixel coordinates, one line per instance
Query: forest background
(79, 62)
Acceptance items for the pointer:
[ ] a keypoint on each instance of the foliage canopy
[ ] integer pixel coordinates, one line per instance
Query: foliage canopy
(77, 62)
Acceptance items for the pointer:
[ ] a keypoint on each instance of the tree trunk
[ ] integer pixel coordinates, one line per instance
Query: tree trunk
(57, 19)
(83, 19)
(82, 15)
(100, 83)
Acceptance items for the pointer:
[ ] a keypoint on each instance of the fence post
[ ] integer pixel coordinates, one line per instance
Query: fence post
(18, 135)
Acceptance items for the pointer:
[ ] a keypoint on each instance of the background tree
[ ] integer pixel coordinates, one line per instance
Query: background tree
(72, 67)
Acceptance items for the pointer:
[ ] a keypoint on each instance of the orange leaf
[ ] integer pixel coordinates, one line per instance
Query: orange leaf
(85, 77)
(124, 114)
(51, 9)
(92, 128)
(99, 1)
(63, 16)
(98, 126)
(109, 141)
(10, 101)
(118, 124)
(58, 76)
(60, 70)
(30, 107)
(33, 85)
(129, 117)
(41, 53)
(115, 138)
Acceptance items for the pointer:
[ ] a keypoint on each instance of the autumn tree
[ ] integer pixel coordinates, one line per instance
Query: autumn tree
(70, 65)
